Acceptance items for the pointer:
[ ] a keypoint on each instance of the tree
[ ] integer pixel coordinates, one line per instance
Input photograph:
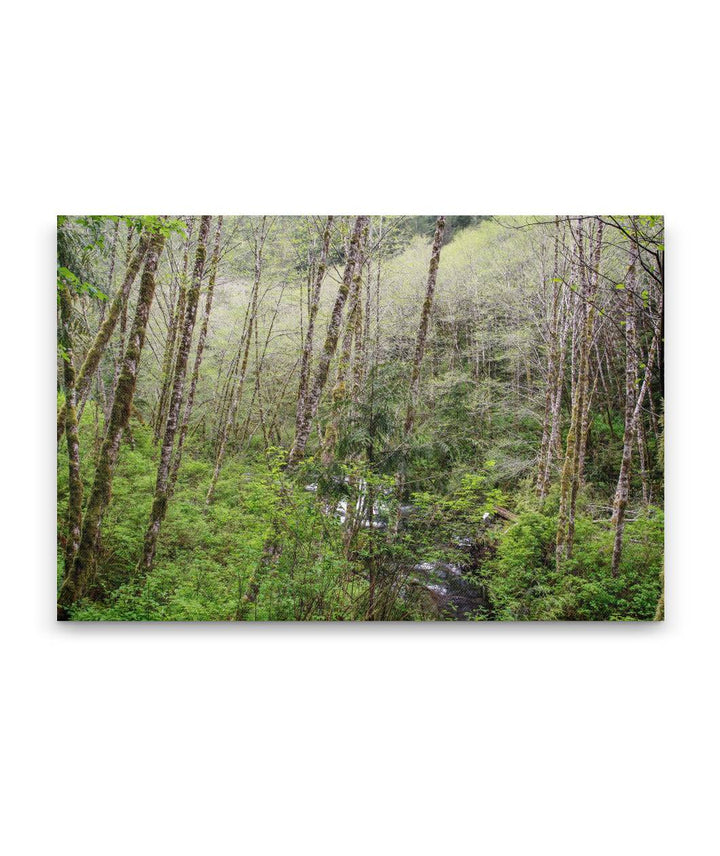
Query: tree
(633, 407)
(71, 427)
(215, 261)
(420, 343)
(557, 334)
(104, 333)
(260, 233)
(159, 506)
(78, 577)
(302, 432)
(306, 358)
(585, 309)
(471, 459)
(170, 354)
(340, 393)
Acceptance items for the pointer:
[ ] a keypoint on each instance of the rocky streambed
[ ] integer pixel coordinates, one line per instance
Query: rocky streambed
(452, 588)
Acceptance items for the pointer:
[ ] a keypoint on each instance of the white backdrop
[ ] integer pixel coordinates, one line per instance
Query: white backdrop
(359, 739)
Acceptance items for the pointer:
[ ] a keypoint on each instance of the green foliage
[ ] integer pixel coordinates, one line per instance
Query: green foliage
(468, 501)
(158, 225)
(66, 278)
(263, 550)
(267, 548)
(525, 585)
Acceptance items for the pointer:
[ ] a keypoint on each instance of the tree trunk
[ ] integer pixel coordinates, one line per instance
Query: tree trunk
(177, 457)
(71, 432)
(552, 374)
(359, 353)
(120, 347)
(594, 274)
(331, 339)
(555, 447)
(424, 322)
(159, 506)
(340, 390)
(226, 388)
(642, 461)
(170, 355)
(312, 315)
(259, 238)
(78, 578)
(102, 337)
(623, 485)
(259, 363)
(569, 479)
(420, 343)
(622, 490)
(633, 405)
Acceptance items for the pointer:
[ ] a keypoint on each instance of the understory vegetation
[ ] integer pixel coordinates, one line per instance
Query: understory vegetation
(360, 418)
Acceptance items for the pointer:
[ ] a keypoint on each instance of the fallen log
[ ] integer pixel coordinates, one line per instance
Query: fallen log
(505, 514)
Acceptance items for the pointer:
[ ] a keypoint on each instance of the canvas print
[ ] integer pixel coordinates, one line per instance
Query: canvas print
(360, 418)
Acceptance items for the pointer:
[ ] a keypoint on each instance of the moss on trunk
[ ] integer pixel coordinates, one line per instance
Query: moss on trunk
(79, 577)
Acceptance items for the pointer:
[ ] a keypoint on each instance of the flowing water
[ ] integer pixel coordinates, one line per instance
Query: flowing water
(453, 590)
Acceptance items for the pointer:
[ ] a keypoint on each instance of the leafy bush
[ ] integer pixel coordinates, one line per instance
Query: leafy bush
(525, 584)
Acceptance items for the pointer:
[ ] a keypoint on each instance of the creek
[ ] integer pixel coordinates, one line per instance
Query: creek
(452, 587)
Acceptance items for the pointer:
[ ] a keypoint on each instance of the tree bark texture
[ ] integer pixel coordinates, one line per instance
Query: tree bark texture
(159, 506)
(306, 358)
(202, 338)
(102, 337)
(237, 389)
(79, 577)
(71, 433)
(331, 339)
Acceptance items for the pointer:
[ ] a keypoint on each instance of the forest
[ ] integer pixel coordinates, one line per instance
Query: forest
(360, 418)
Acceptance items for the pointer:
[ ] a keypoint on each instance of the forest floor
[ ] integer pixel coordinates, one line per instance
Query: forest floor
(268, 548)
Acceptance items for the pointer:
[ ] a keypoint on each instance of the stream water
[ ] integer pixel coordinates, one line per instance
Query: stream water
(453, 591)
(452, 588)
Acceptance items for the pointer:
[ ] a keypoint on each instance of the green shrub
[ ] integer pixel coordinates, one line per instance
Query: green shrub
(525, 584)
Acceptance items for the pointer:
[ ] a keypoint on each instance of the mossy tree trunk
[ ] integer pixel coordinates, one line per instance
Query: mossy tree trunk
(120, 346)
(260, 234)
(642, 461)
(110, 290)
(586, 391)
(585, 307)
(552, 375)
(623, 485)
(71, 432)
(79, 577)
(555, 446)
(170, 353)
(160, 499)
(340, 393)
(421, 340)
(257, 391)
(306, 357)
(226, 384)
(633, 408)
(302, 432)
(594, 274)
(420, 345)
(103, 335)
(202, 338)
(660, 608)
(359, 364)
